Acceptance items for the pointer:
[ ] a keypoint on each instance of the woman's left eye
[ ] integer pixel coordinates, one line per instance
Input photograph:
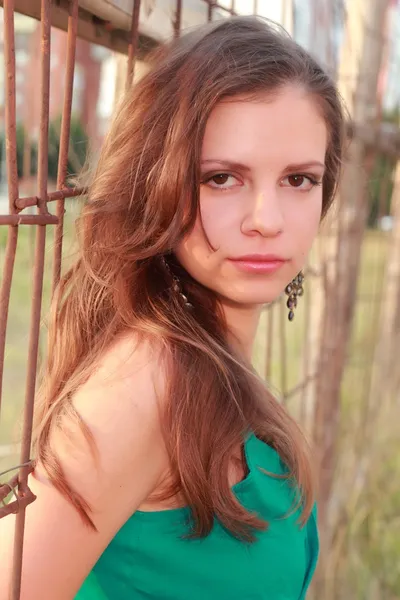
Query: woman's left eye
(221, 181)
(300, 182)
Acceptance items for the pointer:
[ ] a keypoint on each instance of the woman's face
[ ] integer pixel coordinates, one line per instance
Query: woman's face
(261, 196)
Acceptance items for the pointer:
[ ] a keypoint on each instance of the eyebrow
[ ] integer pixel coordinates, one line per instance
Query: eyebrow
(290, 168)
(304, 166)
(228, 164)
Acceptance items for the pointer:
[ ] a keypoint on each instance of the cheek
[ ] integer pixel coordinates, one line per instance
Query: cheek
(214, 227)
(200, 253)
(304, 227)
(194, 253)
(218, 218)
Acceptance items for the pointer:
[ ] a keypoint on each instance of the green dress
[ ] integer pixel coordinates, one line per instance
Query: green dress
(149, 559)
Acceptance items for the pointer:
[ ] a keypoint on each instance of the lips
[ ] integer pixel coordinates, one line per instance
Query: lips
(259, 263)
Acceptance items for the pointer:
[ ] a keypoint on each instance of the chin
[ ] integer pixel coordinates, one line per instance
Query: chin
(252, 297)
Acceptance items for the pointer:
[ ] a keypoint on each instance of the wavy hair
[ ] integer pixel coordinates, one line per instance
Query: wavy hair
(142, 201)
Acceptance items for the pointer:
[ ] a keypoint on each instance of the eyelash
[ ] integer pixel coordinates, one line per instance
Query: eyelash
(311, 178)
(208, 178)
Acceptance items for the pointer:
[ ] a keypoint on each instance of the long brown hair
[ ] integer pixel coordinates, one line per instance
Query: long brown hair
(142, 201)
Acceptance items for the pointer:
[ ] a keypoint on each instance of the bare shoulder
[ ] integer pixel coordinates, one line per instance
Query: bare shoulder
(123, 396)
(120, 406)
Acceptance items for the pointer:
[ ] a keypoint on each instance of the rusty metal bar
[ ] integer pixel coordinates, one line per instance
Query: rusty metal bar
(12, 175)
(178, 18)
(44, 112)
(10, 108)
(94, 31)
(22, 203)
(210, 11)
(38, 271)
(15, 220)
(213, 5)
(65, 138)
(133, 44)
(22, 494)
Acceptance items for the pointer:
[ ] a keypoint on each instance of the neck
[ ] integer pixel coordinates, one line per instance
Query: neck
(242, 324)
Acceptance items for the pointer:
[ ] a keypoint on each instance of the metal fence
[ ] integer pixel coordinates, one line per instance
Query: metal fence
(50, 206)
(287, 357)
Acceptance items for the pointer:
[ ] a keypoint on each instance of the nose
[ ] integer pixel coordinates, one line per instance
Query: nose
(264, 215)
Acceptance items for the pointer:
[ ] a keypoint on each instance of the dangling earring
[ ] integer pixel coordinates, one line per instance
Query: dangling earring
(294, 290)
(176, 284)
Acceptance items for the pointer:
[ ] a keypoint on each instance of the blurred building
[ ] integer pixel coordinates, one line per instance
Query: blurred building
(88, 67)
(86, 81)
(318, 25)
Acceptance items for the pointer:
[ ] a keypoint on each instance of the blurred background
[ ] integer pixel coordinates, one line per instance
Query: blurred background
(336, 366)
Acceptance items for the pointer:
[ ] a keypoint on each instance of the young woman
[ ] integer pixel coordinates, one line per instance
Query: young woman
(165, 468)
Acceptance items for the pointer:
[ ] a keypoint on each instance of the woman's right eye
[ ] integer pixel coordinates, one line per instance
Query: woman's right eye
(221, 181)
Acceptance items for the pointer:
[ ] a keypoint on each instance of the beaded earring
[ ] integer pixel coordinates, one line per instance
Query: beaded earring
(176, 284)
(294, 290)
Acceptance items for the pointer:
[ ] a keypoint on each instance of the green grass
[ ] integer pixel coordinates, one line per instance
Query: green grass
(17, 337)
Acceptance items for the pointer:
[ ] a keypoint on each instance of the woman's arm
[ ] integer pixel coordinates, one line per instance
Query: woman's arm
(120, 406)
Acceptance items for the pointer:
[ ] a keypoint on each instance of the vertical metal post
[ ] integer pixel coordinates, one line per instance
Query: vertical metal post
(65, 137)
(178, 18)
(38, 271)
(210, 11)
(133, 43)
(12, 175)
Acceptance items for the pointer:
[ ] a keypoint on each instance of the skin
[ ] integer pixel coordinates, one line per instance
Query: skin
(256, 197)
(262, 212)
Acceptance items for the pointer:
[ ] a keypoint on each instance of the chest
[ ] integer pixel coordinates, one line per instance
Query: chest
(274, 566)
(150, 559)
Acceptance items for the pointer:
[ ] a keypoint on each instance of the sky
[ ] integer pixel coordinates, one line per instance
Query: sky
(272, 9)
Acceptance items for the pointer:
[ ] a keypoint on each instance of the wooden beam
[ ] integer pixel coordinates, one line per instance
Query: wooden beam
(90, 27)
